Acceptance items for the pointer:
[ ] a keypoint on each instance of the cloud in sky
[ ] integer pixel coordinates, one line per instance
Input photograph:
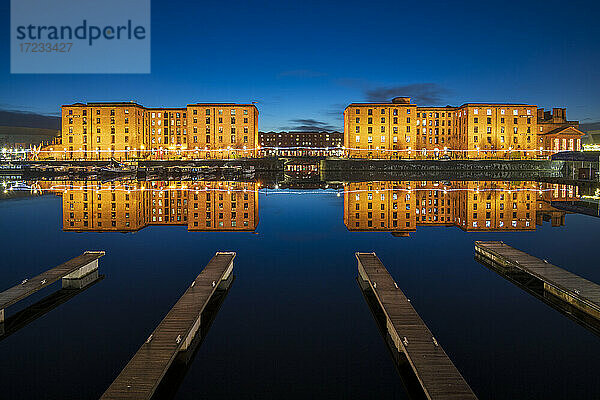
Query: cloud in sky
(421, 93)
(336, 111)
(309, 124)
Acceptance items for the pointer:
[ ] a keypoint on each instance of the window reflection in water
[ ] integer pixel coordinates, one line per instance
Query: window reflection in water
(399, 207)
(130, 205)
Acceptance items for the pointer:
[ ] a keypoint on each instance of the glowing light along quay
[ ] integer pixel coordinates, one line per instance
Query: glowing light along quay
(395, 130)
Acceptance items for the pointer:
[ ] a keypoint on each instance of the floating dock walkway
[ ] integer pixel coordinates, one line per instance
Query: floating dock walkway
(435, 372)
(566, 286)
(142, 375)
(72, 272)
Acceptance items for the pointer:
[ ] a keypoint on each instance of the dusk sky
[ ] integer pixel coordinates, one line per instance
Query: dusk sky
(304, 61)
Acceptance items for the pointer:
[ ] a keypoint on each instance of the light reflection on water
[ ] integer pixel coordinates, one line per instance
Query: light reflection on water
(295, 324)
(398, 207)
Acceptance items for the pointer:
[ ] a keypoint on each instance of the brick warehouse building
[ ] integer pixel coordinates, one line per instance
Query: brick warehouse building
(127, 130)
(400, 129)
(311, 143)
(392, 130)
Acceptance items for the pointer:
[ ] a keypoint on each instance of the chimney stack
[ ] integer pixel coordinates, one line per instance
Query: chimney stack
(559, 115)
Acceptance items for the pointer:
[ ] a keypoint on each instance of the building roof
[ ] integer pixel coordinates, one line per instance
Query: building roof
(223, 104)
(497, 104)
(562, 129)
(448, 107)
(382, 104)
(441, 107)
(132, 103)
(108, 103)
(166, 108)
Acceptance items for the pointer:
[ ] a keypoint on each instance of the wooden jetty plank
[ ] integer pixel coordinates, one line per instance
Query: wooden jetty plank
(142, 375)
(537, 289)
(436, 373)
(32, 285)
(572, 288)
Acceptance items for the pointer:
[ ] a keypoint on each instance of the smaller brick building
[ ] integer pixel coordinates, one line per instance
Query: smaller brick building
(556, 133)
(300, 143)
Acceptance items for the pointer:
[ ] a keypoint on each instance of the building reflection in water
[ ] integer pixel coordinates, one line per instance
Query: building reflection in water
(126, 206)
(399, 207)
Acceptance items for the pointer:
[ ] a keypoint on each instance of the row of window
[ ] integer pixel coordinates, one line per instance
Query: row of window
(232, 139)
(382, 138)
(489, 139)
(433, 122)
(220, 129)
(168, 115)
(502, 120)
(502, 111)
(383, 111)
(220, 111)
(502, 129)
(433, 115)
(220, 120)
(112, 112)
(98, 140)
(112, 121)
(382, 129)
(394, 120)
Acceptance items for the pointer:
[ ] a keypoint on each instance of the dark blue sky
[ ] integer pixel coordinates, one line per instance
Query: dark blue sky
(304, 61)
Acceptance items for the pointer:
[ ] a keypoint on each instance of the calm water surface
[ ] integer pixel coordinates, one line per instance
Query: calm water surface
(295, 324)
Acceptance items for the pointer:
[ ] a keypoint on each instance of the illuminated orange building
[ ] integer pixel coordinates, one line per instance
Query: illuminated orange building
(496, 130)
(131, 131)
(399, 207)
(100, 130)
(222, 130)
(168, 132)
(130, 206)
(400, 129)
(435, 129)
(393, 130)
(381, 130)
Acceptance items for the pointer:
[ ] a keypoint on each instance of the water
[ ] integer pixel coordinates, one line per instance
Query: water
(295, 323)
